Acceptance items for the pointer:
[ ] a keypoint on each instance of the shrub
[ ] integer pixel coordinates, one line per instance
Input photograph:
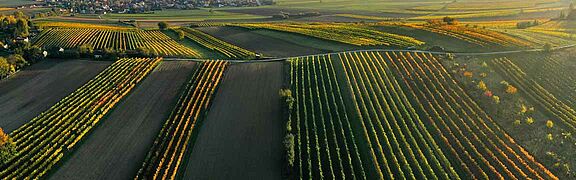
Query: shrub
(549, 124)
(289, 145)
(7, 148)
(181, 34)
(17, 60)
(146, 52)
(496, 99)
(468, 74)
(86, 50)
(488, 93)
(511, 89)
(482, 86)
(286, 94)
(529, 120)
(163, 25)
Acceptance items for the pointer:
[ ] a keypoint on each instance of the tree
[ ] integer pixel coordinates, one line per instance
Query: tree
(146, 52)
(110, 54)
(7, 148)
(17, 60)
(22, 28)
(19, 14)
(163, 25)
(181, 34)
(34, 54)
(86, 50)
(450, 20)
(5, 67)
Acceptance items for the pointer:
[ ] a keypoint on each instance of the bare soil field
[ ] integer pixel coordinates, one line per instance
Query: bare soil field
(433, 39)
(242, 135)
(275, 44)
(35, 89)
(116, 149)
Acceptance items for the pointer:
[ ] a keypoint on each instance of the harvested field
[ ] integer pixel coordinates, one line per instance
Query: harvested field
(117, 147)
(242, 135)
(34, 90)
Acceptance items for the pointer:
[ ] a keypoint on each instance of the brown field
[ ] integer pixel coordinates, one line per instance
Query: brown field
(35, 89)
(242, 135)
(117, 147)
(268, 46)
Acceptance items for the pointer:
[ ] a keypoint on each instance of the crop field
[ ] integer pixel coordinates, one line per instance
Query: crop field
(252, 146)
(32, 91)
(288, 89)
(155, 40)
(344, 33)
(478, 36)
(47, 138)
(166, 156)
(210, 42)
(393, 93)
(272, 43)
(125, 135)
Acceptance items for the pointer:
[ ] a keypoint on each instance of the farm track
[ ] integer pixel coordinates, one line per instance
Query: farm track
(123, 138)
(241, 140)
(39, 87)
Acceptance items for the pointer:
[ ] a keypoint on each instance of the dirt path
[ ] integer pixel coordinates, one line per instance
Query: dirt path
(116, 149)
(34, 90)
(242, 136)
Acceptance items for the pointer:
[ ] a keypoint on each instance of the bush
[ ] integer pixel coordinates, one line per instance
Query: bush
(289, 145)
(549, 124)
(17, 60)
(181, 34)
(7, 148)
(86, 50)
(146, 52)
(5, 68)
(110, 54)
(34, 54)
(163, 25)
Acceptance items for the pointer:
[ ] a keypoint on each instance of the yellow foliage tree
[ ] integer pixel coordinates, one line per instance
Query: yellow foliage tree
(482, 86)
(549, 124)
(511, 89)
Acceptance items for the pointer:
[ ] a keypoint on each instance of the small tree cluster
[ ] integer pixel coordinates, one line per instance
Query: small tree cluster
(527, 24)
(7, 148)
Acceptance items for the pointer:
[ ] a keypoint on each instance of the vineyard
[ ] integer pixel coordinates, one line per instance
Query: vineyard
(474, 35)
(168, 151)
(414, 119)
(210, 42)
(344, 33)
(46, 139)
(552, 88)
(123, 40)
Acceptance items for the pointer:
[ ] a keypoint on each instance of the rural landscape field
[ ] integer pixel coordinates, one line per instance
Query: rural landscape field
(288, 89)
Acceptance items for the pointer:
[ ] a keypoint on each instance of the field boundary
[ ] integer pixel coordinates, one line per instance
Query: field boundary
(379, 50)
